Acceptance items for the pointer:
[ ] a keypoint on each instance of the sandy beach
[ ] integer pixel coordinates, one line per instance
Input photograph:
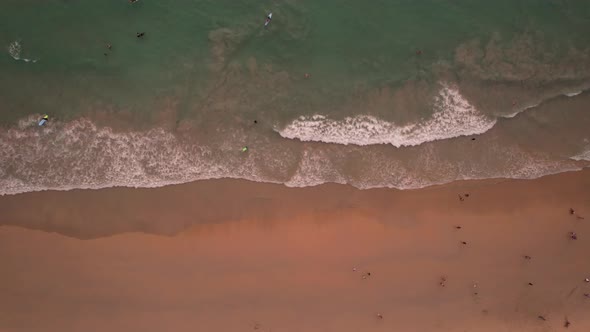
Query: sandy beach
(346, 166)
(227, 255)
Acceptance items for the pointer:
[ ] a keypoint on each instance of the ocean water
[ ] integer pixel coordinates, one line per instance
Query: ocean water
(402, 94)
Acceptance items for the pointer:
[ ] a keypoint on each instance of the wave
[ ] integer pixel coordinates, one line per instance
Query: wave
(81, 155)
(15, 50)
(573, 94)
(532, 105)
(454, 116)
(582, 156)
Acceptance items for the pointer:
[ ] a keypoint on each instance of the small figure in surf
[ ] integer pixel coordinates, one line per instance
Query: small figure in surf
(133, 1)
(268, 19)
(44, 120)
(140, 34)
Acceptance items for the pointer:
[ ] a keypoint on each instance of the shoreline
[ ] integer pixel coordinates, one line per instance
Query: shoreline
(84, 154)
(231, 255)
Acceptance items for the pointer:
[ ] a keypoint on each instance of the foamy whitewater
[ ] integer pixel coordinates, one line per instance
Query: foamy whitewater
(454, 116)
(584, 155)
(15, 49)
(79, 154)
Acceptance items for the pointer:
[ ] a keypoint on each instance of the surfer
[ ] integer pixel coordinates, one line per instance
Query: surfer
(268, 19)
(44, 120)
(140, 34)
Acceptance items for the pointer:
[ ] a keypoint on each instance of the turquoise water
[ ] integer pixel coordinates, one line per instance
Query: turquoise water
(393, 81)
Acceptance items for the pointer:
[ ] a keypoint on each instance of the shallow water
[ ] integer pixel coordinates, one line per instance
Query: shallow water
(396, 92)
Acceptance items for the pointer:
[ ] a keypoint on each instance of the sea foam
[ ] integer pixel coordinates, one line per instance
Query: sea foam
(453, 116)
(15, 49)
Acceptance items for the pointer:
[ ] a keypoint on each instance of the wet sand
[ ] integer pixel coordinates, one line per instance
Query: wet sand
(230, 255)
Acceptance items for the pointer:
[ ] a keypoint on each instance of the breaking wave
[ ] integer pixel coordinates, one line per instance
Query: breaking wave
(81, 155)
(584, 155)
(454, 116)
(15, 49)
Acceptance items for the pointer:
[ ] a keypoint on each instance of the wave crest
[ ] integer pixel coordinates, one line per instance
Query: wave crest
(15, 49)
(454, 116)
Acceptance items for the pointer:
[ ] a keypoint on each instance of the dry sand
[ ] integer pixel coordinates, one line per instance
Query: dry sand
(227, 255)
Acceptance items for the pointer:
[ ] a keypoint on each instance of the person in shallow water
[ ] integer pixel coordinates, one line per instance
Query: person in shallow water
(44, 120)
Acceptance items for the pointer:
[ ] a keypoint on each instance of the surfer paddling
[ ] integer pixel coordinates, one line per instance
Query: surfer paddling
(268, 19)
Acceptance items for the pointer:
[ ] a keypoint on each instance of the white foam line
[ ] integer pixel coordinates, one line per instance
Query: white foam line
(573, 94)
(15, 49)
(80, 155)
(454, 116)
(583, 156)
(534, 105)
